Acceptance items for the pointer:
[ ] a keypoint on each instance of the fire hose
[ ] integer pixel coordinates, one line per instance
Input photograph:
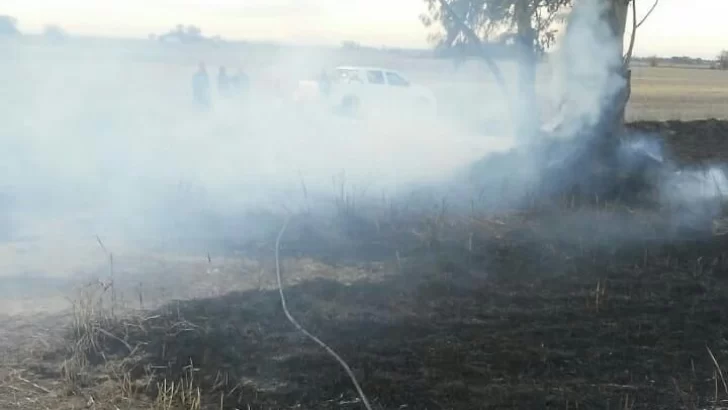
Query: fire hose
(308, 334)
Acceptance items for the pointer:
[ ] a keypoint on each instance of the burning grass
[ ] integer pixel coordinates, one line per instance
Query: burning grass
(583, 307)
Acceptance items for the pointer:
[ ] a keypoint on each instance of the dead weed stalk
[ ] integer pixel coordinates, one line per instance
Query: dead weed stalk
(183, 394)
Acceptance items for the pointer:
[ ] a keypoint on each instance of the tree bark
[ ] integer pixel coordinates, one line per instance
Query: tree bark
(618, 10)
(528, 121)
(617, 17)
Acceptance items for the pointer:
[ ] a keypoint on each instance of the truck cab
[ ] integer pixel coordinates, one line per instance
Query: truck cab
(354, 89)
(369, 88)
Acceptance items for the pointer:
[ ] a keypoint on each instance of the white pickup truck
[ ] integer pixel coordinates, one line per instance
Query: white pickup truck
(355, 89)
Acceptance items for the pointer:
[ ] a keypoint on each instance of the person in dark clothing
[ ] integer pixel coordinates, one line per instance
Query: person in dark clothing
(324, 83)
(201, 86)
(239, 83)
(223, 83)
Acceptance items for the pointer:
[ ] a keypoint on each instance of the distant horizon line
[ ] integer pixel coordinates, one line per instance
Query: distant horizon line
(255, 41)
(340, 45)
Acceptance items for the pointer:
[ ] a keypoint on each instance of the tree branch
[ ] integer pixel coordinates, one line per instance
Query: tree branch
(470, 34)
(628, 56)
(635, 26)
(654, 5)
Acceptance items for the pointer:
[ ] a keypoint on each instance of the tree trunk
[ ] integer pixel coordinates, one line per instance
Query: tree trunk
(528, 116)
(618, 10)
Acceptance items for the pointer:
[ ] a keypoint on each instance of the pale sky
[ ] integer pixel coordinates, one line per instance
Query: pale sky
(677, 27)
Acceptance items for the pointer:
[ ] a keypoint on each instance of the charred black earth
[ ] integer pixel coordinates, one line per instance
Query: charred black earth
(483, 312)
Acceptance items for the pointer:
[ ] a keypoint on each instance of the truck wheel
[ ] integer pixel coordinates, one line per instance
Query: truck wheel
(425, 107)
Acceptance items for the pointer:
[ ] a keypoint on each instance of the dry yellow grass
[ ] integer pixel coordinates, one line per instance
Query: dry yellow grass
(678, 94)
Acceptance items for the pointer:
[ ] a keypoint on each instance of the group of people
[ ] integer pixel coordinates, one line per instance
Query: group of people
(227, 86)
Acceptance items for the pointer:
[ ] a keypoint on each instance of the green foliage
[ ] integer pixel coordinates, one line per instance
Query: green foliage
(186, 34)
(8, 26)
(493, 21)
(723, 60)
(55, 33)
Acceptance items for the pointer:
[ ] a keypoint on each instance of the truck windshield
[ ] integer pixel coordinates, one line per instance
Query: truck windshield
(375, 77)
(396, 79)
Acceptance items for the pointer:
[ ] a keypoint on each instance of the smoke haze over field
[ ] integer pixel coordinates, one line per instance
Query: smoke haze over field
(111, 140)
(120, 144)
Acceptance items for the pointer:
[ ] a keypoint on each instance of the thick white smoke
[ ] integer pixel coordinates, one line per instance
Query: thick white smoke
(107, 133)
(584, 83)
(585, 75)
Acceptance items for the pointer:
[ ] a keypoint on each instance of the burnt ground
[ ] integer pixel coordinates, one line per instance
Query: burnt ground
(690, 142)
(433, 312)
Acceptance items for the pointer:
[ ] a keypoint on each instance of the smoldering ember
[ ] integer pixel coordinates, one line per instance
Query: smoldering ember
(524, 215)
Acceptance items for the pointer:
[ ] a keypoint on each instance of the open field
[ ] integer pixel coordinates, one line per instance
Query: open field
(678, 94)
(432, 306)
(468, 90)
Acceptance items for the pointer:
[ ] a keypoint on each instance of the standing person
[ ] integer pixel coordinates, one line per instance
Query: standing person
(239, 83)
(201, 86)
(223, 83)
(324, 83)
